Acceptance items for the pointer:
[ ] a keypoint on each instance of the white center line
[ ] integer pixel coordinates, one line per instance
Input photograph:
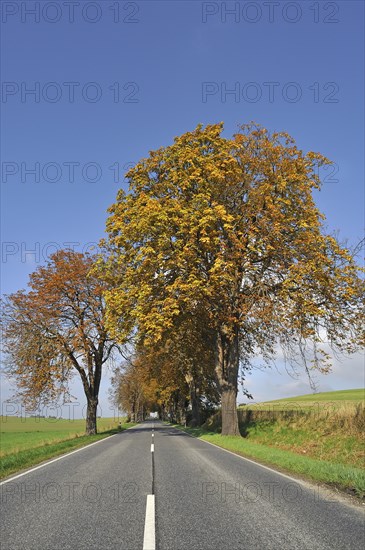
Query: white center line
(152, 448)
(153, 435)
(149, 538)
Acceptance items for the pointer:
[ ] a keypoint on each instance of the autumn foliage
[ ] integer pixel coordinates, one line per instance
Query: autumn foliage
(216, 255)
(226, 233)
(57, 329)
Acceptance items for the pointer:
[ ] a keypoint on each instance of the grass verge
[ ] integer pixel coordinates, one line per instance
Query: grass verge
(14, 462)
(340, 476)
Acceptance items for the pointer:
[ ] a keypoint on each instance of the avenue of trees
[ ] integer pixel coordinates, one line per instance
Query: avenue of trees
(174, 378)
(223, 235)
(216, 255)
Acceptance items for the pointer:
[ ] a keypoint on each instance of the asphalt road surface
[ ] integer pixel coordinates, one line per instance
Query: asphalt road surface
(154, 487)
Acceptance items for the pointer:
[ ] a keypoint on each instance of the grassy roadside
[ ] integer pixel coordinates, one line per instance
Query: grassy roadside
(343, 477)
(13, 462)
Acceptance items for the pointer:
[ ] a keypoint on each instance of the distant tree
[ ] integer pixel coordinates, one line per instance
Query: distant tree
(132, 390)
(229, 226)
(169, 376)
(56, 329)
(188, 348)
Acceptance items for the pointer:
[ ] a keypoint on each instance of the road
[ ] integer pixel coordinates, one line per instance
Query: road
(199, 498)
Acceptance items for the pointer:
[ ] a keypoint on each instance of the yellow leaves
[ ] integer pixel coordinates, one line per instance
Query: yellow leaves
(229, 226)
(303, 224)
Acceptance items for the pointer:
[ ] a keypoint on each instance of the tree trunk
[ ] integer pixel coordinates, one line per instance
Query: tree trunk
(92, 405)
(182, 415)
(227, 364)
(229, 411)
(195, 407)
(171, 412)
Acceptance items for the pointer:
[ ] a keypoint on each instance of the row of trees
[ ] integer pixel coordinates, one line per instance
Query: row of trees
(217, 254)
(174, 378)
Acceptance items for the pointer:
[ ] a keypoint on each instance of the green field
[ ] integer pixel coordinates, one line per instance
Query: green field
(340, 395)
(28, 441)
(319, 400)
(19, 434)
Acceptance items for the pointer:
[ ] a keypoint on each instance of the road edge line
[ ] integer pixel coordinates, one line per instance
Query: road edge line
(51, 460)
(306, 484)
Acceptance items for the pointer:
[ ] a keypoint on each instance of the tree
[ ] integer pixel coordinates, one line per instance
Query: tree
(137, 391)
(170, 375)
(230, 227)
(189, 349)
(57, 328)
(163, 381)
(128, 392)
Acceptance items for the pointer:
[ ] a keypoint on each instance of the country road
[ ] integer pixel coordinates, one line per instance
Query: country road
(154, 487)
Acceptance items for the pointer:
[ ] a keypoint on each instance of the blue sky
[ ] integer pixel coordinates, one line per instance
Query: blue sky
(114, 80)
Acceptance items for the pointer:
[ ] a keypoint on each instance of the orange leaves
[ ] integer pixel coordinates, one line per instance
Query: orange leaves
(56, 327)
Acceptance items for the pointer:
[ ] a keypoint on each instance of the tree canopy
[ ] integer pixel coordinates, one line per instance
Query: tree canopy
(226, 232)
(56, 329)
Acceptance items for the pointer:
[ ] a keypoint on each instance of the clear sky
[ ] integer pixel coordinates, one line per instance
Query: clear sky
(113, 80)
